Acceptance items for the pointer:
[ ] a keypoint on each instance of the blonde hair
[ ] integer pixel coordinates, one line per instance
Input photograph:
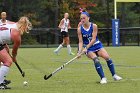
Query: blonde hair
(66, 14)
(24, 25)
(3, 13)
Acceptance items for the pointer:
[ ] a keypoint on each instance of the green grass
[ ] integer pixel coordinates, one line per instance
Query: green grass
(78, 77)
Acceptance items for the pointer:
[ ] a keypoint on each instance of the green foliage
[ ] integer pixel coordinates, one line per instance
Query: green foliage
(42, 12)
(48, 13)
(27, 39)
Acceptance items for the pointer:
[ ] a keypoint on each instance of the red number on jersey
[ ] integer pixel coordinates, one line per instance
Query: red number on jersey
(3, 28)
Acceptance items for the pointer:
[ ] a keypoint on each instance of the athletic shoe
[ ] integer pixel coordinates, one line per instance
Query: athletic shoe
(6, 82)
(116, 77)
(56, 52)
(3, 86)
(72, 53)
(103, 81)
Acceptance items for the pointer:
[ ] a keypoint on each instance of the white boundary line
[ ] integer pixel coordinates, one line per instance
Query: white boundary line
(89, 61)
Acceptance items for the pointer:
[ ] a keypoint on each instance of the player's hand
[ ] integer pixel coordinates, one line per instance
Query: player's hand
(81, 53)
(84, 50)
(13, 56)
(78, 55)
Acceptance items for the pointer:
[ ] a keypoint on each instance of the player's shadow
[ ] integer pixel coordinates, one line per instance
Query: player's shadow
(120, 81)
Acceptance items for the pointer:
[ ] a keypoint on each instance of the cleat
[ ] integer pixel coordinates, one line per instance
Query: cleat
(6, 82)
(103, 81)
(116, 77)
(56, 52)
(3, 86)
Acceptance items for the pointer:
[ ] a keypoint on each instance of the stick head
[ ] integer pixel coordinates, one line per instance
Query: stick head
(47, 77)
(23, 74)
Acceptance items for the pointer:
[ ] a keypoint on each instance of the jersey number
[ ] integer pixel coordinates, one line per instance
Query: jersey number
(89, 39)
(3, 28)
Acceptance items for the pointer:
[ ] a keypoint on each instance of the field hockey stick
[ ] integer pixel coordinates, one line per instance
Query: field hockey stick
(60, 68)
(20, 70)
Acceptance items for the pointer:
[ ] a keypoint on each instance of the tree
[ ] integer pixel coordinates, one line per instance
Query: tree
(42, 12)
(72, 7)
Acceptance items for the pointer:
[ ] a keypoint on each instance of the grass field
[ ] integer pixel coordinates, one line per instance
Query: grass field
(78, 77)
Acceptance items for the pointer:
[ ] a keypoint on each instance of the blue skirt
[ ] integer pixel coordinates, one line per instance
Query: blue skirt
(95, 47)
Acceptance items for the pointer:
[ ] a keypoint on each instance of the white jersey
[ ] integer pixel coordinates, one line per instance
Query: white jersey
(5, 33)
(2, 22)
(65, 25)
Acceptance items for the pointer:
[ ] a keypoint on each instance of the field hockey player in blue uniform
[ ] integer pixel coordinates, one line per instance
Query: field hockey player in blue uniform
(87, 34)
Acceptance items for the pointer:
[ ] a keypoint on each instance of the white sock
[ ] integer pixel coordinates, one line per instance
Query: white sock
(59, 47)
(69, 49)
(3, 72)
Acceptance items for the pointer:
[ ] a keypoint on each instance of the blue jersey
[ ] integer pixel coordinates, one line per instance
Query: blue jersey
(87, 37)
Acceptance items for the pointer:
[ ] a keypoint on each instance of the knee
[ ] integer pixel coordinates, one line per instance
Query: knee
(63, 43)
(106, 57)
(96, 60)
(67, 42)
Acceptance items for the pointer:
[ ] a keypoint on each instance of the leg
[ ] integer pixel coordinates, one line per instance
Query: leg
(103, 53)
(7, 62)
(59, 47)
(68, 45)
(64, 41)
(6, 82)
(7, 49)
(98, 66)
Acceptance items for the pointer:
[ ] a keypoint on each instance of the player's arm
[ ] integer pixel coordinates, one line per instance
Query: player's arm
(80, 46)
(11, 22)
(94, 34)
(7, 48)
(69, 26)
(16, 38)
(80, 23)
(61, 23)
